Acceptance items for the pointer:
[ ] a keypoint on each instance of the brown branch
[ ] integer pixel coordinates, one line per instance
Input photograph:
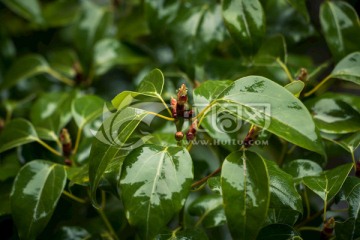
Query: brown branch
(201, 181)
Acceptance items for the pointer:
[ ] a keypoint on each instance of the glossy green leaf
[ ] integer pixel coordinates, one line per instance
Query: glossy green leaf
(301, 168)
(153, 82)
(86, 109)
(351, 193)
(340, 25)
(246, 193)
(266, 104)
(271, 49)
(215, 184)
(109, 53)
(24, 67)
(52, 111)
(300, 6)
(283, 193)
(29, 9)
(9, 166)
(209, 209)
(155, 183)
(112, 142)
(245, 22)
(78, 175)
(186, 234)
(329, 182)
(334, 116)
(348, 68)
(278, 231)
(39, 184)
(16, 133)
(278, 215)
(295, 87)
(352, 142)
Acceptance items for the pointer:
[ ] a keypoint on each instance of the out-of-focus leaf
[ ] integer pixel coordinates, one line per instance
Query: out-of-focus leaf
(300, 6)
(86, 109)
(344, 229)
(334, 116)
(215, 184)
(301, 168)
(61, 12)
(5, 189)
(271, 49)
(278, 231)
(329, 182)
(39, 184)
(246, 193)
(63, 61)
(209, 209)
(155, 182)
(245, 21)
(16, 133)
(340, 25)
(29, 9)
(72, 233)
(9, 166)
(348, 68)
(110, 52)
(187, 234)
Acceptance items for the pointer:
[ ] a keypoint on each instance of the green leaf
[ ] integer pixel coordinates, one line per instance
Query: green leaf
(86, 109)
(351, 143)
(72, 233)
(110, 52)
(24, 67)
(341, 29)
(5, 189)
(155, 183)
(334, 116)
(209, 209)
(301, 168)
(282, 216)
(39, 184)
(278, 231)
(29, 9)
(272, 49)
(266, 104)
(246, 193)
(329, 182)
(300, 6)
(245, 22)
(9, 166)
(64, 61)
(215, 184)
(283, 193)
(153, 82)
(61, 12)
(348, 68)
(17, 132)
(160, 13)
(52, 111)
(186, 234)
(351, 193)
(295, 87)
(347, 229)
(113, 142)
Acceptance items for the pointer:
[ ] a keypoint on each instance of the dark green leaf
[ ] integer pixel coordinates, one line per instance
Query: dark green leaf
(153, 82)
(61, 12)
(340, 25)
(245, 22)
(160, 13)
(24, 67)
(29, 9)
(301, 168)
(215, 184)
(347, 230)
(155, 183)
(352, 142)
(271, 49)
(295, 87)
(283, 193)
(187, 234)
(9, 166)
(278, 232)
(64, 61)
(282, 216)
(348, 68)
(266, 104)
(86, 109)
(16, 133)
(72, 233)
(112, 143)
(246, 193)
(5, 189)
(110, 52)
(334, 116)
(209, 209)
(300, 6)
(39, 184)
(329, 182)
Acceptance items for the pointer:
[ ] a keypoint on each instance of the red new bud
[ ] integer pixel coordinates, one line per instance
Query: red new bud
(66, 142)
(328, 229)
(68, 162)
(173, 105)
(179, 136)
(182, 96)
(190, 135)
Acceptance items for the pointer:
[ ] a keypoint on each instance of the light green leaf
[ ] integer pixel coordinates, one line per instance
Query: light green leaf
(209, 209)
(245, 22)
(333, 115)
(86, 109)
(155, 183)
(246, 193)
(24, 67)
(39, 184)
(17, 132)
(266, 104)
(215, 184)
(153, 82)
(329, 182)
(29, 9)
(295, 87)
(348, 68)
(301, 168)
(341, 28)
